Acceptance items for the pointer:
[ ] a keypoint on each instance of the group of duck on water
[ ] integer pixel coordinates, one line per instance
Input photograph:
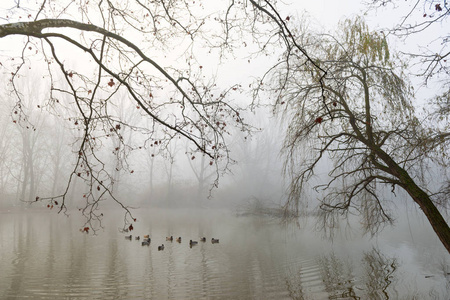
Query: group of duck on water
(146, 240)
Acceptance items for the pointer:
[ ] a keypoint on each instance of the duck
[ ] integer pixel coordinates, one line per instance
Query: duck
(169, 238)
(179, 239)
(129, 237)
(137, 238)
(203, 239)
(160, 248)
(146, 236)
(146, 242)
(191, 242)
(214, 241)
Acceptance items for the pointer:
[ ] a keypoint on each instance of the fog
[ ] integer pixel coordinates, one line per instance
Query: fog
(178, 119)
(39, 139)
(38, 154)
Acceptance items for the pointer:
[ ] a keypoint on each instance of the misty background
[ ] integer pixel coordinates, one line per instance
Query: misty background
(37, 153)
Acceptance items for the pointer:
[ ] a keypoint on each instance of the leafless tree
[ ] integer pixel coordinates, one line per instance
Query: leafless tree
(202, 169)
(424, 22)
(423, 16)
(156, 53)
(147, 49)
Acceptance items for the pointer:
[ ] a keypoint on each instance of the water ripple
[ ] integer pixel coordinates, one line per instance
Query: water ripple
(45, 258)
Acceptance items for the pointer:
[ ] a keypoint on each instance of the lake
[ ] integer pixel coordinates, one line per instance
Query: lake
(45, 256)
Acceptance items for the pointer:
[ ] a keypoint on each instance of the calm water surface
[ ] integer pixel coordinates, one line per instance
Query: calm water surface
(44, 256)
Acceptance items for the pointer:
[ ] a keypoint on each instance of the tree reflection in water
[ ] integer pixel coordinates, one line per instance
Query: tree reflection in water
(379, 274)
(373, 278)
(337, 275)
(294, 286)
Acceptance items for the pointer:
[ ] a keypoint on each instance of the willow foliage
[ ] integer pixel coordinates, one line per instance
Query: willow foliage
(356, 117)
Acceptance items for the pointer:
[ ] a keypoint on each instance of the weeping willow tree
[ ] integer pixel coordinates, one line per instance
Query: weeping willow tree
(353, 111)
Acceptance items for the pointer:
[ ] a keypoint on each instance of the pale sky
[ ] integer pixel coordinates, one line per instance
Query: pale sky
(326, 14)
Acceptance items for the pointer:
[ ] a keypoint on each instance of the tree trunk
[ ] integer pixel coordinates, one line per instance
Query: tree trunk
(151, 177)
(32, 193)
(25, 167)
(433, 215)
(437, 221)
